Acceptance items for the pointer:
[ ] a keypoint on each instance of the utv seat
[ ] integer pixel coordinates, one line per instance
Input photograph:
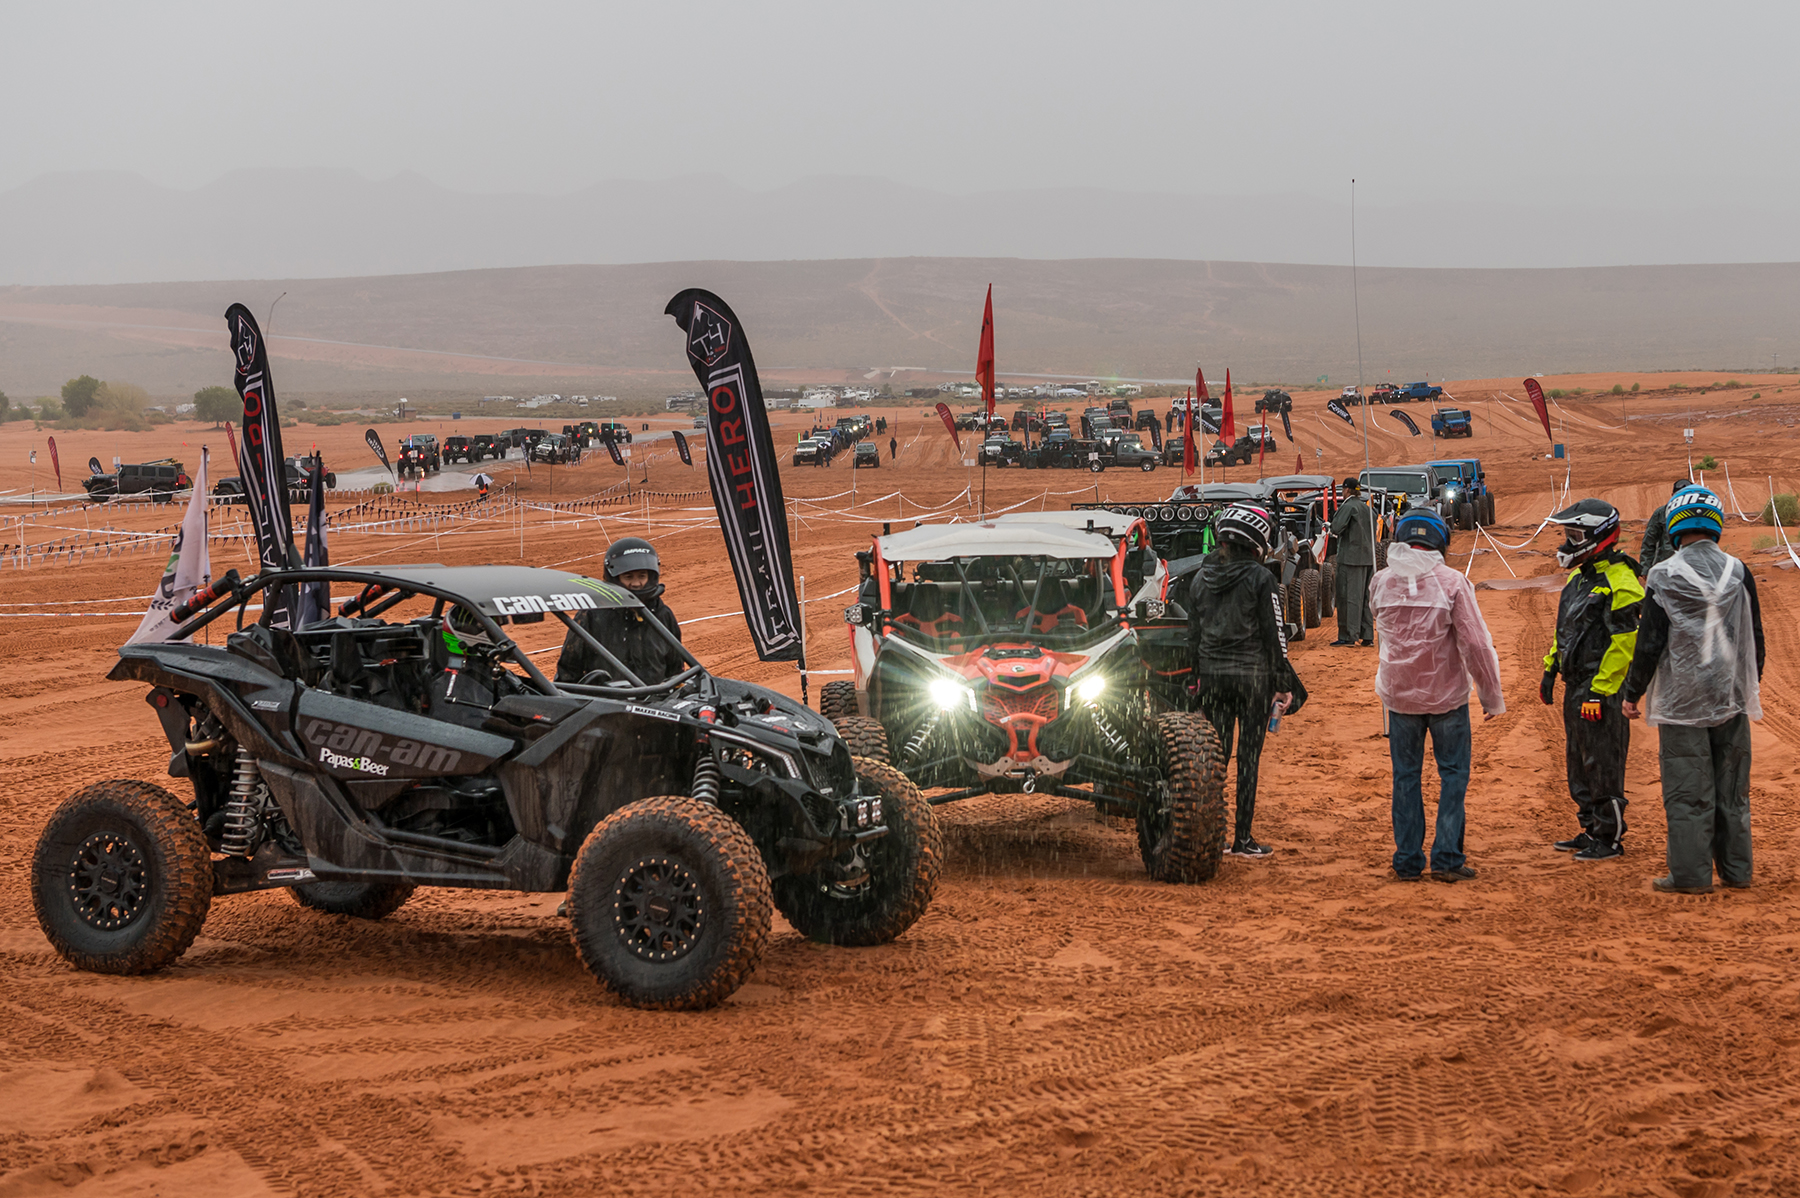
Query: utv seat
(928, 614)
(1057, 610)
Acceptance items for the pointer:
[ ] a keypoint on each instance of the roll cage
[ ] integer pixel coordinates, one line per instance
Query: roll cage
(493, 596)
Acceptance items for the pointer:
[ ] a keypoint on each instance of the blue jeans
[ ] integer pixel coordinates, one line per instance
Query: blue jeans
(1406, 747)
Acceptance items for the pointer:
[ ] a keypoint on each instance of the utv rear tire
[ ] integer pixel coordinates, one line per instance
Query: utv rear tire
(837, 700)
(1185, 841)
(1381, 555)
(865, 737)
(669, 904)
(363, 900)
(122, 878)
(903, 872)
(1328, 589)
(1309, 597)
(1293, 607)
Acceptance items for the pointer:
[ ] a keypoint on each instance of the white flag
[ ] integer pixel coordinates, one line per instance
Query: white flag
(189, 568)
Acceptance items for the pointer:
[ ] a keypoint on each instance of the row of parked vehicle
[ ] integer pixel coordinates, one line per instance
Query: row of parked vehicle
(820, 444)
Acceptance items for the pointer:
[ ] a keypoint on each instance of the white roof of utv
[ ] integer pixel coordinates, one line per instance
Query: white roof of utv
(1112, 524)
(940, 542)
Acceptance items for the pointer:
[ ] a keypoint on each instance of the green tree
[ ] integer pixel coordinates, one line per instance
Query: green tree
(78, 395)
(217, 405)
(5, 404)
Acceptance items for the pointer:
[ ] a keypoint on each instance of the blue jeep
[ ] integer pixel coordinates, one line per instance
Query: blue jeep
(1468, 499)
(1452, 422)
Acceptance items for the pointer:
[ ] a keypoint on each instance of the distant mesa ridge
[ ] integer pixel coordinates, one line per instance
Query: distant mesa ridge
(115, 227)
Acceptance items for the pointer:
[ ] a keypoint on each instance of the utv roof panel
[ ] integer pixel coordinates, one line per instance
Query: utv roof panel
(1115, 524)
(938, 542)
(499, 590)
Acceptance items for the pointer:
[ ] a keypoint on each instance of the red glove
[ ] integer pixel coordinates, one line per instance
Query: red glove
(1590, 710)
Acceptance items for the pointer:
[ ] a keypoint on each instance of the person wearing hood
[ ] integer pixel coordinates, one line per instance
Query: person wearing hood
(1433, 639)
(631, 563)
(1596, 634)
(1242, 677)
(1698, 674)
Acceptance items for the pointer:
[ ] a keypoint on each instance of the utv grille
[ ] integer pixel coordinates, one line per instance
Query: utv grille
(1041, 702)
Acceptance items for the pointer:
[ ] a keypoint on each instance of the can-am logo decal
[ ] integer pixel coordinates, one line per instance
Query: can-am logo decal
(361, 765)
(345, 747)
(521, 605)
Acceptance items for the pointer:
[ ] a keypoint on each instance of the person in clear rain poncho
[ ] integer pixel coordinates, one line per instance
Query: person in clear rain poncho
(1697, 671)
(1433, 640)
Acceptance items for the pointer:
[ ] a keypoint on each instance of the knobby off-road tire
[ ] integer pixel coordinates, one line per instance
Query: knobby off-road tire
(1186, 842)
(363, 900)
(1293, 607)
(903, 871)
(1465, 515)
(865, 737)
(669, 904)
(1381, 555)
(837, 700)
(1310, 596)
(122, 878)
(1328, 589)
(1487, 508)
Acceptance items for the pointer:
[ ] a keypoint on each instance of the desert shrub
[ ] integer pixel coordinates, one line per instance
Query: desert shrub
(1678, 386)
(78, 394)
(1758, 395)
(1709, 462)
(49, 409)
(217, 405)
(1786, 506)
(158, 418)
(1635, 386)
(1618, 389)
(1728, 383)
(1556, 393)
(383, 488)
(1763, 542)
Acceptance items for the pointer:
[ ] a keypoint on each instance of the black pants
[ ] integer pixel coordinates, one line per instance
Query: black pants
(1241, 713)
(1596, 759)
(1706, 793)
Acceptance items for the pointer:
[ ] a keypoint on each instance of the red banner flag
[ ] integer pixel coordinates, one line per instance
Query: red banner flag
(943, 410)
(1200, 385)
(1537, 401)
(984, 356)
(1299, 463)
(1188, 420)
(56, 463)
(1227, 426)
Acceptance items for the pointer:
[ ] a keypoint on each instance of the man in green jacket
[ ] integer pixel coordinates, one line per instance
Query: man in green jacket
(1596, 634)
(1353, 528)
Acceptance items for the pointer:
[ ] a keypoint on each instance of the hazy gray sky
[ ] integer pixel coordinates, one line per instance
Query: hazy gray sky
(1653, 104)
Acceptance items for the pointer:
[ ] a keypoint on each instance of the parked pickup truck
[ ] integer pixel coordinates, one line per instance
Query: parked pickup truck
(1421, 392)
(1125, 450)
(1452, 422)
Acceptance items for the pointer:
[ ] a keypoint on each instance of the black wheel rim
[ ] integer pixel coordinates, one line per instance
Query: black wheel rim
(658, 911)
(109, 881)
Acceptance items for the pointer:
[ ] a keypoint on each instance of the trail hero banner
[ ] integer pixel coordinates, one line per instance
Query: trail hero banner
(261, 463)
(741, 466)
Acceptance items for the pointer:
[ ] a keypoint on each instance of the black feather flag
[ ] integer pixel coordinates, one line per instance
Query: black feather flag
(261, 463)
(742, 467)
(1287, 426)
(681, 447)
(1403, 418)
(1336, 408)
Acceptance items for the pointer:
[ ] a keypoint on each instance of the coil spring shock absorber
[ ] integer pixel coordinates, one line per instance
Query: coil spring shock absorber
(917, 743)
(1106, 728)
(242, 830)
(707, 778)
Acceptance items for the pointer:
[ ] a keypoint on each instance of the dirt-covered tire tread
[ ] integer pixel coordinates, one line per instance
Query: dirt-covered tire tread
(746, 901)
(360, 900)
(1328, 589)
(1196, 776)
(902, 895)
(838, 699)
(1310, 590)
(865, 737)
(179, 859)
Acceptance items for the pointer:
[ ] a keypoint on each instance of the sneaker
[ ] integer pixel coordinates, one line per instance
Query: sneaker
(1400, 877)
(1342, 641)
(1666, 885)
(1600, 850)
(1366, 644)
(1461, 873)
(1247, 847)
(1574, 844)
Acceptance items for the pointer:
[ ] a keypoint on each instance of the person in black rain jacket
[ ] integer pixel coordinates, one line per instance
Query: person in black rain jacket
(631, 563)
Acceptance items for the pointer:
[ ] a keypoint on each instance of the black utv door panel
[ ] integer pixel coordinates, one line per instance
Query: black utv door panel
(360, 741)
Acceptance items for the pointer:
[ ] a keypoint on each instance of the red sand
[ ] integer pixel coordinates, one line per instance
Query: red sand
(1056, 1021)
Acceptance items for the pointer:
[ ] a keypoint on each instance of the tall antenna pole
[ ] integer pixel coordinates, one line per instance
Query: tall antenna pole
(1356, 306)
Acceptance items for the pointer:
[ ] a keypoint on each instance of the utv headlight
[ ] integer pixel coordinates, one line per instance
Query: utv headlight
(949, 694)
(1090, 688)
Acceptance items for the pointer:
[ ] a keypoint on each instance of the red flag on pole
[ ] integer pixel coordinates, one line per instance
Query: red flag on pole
(1200, 385)
(56, 463)
(1299, 463)
(943, 410)
(984, 356)
(1537, 401)
(1187, 437)
(1227, 426)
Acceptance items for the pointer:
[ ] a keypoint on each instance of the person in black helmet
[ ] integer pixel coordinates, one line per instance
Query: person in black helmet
(1596, 635)
(1241, 670)
(630, 563)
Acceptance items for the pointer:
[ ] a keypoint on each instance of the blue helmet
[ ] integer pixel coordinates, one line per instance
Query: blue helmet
(1423, 529)
(1696, 509)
